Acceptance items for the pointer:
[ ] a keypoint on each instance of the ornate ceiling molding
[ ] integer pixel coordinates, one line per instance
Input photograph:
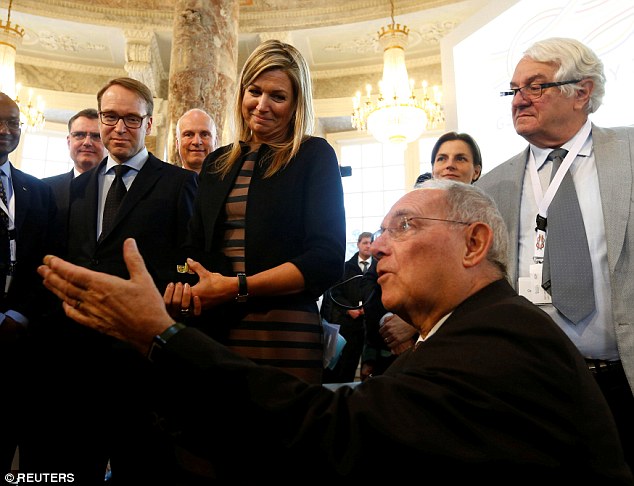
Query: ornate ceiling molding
(70, 66)
(135, 12)
(371, 69)
(255, 15)
(265, 15)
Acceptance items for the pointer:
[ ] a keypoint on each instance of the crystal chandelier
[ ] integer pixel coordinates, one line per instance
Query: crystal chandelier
(399, 113)
(31, 111)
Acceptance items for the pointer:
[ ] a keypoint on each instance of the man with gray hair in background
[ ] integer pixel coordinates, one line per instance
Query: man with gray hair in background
(572, 229)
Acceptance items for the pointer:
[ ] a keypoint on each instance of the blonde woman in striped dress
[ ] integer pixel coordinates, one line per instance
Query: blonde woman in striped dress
(267, 236)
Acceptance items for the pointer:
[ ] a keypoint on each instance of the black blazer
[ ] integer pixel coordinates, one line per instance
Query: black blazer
(155, 212)
(34, 216)
(295, 216)
(35, 232)
(497, 394)
(60, 184)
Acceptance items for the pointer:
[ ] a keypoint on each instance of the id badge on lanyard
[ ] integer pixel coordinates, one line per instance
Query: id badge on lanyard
(531, 286)
(12, 244)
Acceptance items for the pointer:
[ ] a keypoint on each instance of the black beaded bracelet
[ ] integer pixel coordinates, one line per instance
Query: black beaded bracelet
(161, 340)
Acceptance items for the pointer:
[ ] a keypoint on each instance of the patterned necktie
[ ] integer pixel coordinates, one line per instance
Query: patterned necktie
(365, 266)
(5, 253)
(3, 195)
(567, 271)
(116, 193)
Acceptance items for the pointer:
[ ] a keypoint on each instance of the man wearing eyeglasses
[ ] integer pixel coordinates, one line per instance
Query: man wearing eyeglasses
(84, 140)
(86, 151)
(27, 210)
(154, 204)
(554, 88)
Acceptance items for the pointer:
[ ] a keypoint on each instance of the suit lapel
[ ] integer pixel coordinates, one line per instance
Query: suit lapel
(88, 206)
(144, 181)
(612, 157)
(66, 194)
(507, 193)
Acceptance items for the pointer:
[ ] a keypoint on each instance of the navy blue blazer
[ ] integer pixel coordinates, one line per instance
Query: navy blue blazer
(296, 216)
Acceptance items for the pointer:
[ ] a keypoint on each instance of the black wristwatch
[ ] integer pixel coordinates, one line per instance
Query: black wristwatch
(243, 292)
(161, 340)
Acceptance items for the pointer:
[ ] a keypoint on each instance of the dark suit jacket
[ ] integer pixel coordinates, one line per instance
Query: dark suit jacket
(96, 369)
(498, 394)
(60, 184)
(34, 215)
(35, 230)
(155, 212)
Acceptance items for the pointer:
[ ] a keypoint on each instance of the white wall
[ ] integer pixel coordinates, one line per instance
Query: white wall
(479, 57)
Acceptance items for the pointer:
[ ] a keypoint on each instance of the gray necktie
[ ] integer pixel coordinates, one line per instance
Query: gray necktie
(365, 266)
(567, 272)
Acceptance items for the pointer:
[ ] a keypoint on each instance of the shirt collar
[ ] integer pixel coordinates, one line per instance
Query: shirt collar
(137, 162)
(6, 169)
(434, 329)
(540, 154)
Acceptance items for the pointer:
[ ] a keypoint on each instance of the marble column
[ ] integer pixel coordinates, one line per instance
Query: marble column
(142, 58)
(204, 58)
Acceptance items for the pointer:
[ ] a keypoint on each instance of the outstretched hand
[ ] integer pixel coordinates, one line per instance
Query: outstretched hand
(131, 310)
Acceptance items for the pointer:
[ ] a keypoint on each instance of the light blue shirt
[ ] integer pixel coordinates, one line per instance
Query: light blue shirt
(107, 175)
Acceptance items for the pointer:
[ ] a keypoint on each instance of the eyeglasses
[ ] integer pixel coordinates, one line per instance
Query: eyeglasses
(398, 232)
(534, 91)
(78, 136)
(110, 118)
(11, 123)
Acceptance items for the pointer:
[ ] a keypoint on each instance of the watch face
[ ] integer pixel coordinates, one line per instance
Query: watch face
(155, 349)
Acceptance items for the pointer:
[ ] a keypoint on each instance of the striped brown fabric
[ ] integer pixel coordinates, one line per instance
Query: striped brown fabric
(290, 339)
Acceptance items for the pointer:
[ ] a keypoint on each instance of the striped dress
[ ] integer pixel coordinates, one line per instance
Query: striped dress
(270, 331)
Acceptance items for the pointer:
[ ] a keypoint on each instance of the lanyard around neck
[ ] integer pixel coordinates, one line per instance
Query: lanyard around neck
(545, 199)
